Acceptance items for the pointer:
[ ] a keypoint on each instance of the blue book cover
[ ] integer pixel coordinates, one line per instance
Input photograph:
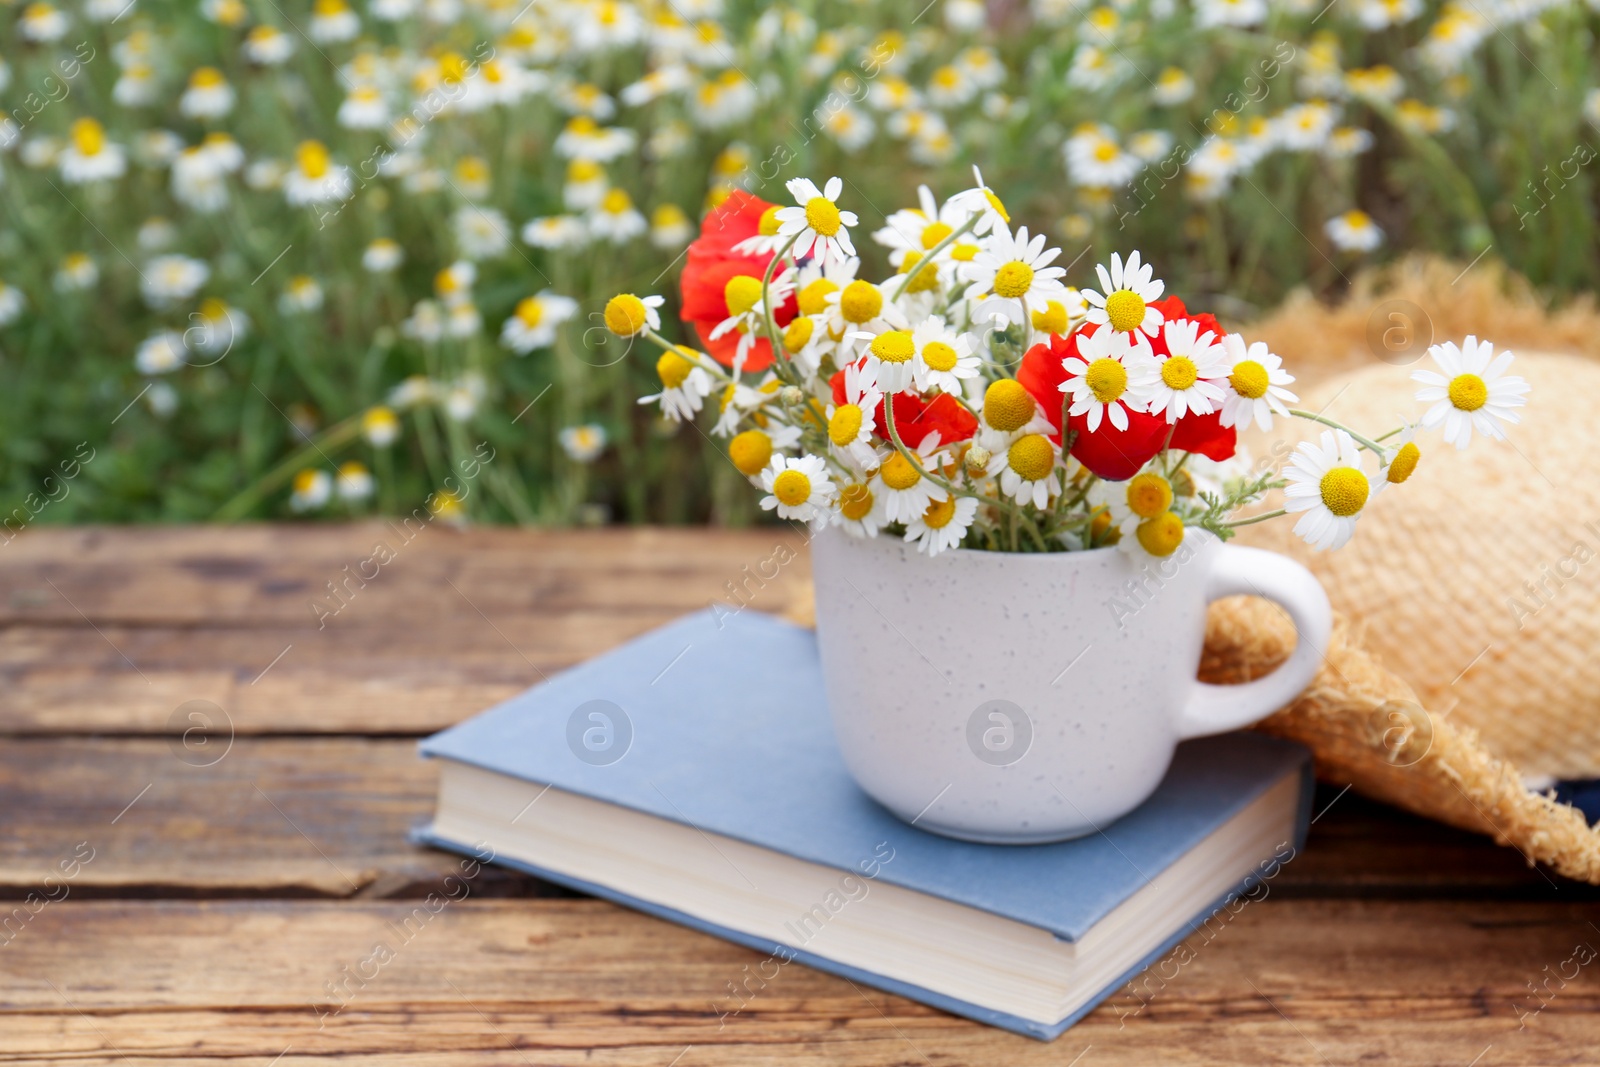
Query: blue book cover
(719, 723)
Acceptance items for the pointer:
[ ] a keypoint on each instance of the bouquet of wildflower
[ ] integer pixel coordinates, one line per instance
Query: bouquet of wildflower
(975, 399)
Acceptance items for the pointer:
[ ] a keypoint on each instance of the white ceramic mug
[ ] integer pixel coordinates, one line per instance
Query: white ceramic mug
(1024, 698)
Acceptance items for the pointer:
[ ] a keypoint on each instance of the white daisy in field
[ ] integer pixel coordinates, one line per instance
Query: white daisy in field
(921, 228)
(944, 358)
(162, 399)
(860, 306)
(89, 157)
(173, 279)
(425, 323)
(1353, 231)
(583, 444)
(481, 232)
(462, 319)
(363, 108)
(1240, 13)
(1173, 86)
(11, 304)
(198, 181)
(136, 86)
(267, 46)
(852, 424)
(891, 356)
(616, 219)
(555, 231)
(42, 22)
(943, 525)
(354, 482)
(380, 426)
(536, 321)
(223, 150)
(1108, 377)
(1473, 392)
(684, 383)
(799, 487)
(312, 489)
(585, 186)
(1126, 292)
(1258, 383)
(982, 200)
(414, 391)
(1016, 268)
(1327, 484)
(222, 12)
(160, 353)
(382, 256)
(209, 96)
(1099, 162)
(860, 512)
(332, 21)
(670, 227)
(1346, 142)
(462, 398)
(315, 179)
(817, 223)
(156, 233)
(215, 328)
(905, 493)
(1194, 375)
(1026, 469)
(1306, 127)
(584, 138)
(78, 271)
(300, 296)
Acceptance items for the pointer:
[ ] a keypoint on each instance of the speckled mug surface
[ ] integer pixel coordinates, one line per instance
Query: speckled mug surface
(1024, 698)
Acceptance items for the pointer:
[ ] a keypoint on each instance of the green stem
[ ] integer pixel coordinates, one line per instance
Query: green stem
(933, 253)
(1312, 416)
(335, 436)
(1252, 520)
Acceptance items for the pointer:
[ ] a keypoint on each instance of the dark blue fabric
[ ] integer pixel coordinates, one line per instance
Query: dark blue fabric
(1583, 794)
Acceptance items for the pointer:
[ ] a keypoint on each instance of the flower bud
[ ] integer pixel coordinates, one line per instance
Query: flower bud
(977, 459)
(791, 395)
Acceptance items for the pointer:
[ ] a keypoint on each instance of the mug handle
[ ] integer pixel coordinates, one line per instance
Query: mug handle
(1214, 709)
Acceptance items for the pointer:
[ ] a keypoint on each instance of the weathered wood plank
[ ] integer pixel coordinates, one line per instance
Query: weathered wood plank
(558, 981)
(329, 817)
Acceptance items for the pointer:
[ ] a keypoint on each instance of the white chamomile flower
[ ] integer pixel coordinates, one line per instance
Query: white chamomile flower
(315, 178)
(817, 221)
(1473, 392)
(302, 295)
(860, 512)
(1027, 468)
(852, 424)
(767, 239)
(906, 494)
(1109, 376)
(1194, 375)
(747, 311)
(11, 304)
(627, 315)
(799, 487)
(943, 357)
(616, 219)
(737, 401)
(89, 157)
(161, 353)
(860, 306)
(1326, 482)
(1141, 511)
(943, 525)
(1401, 455)
(1126, 293)
(684, 384)
(172, 279)
(1257, 379)
(921, 228)
(891, 358)
(583, 444)
(536, 320)
(312, 489)
(354, 482)
(1353, 231)
(382, 256)
(1016, 268)
(982, 200)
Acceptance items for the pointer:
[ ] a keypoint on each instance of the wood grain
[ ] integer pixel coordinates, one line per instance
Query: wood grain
(560, 981)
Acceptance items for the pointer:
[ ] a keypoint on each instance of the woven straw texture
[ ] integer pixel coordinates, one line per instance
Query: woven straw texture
(1472, 664)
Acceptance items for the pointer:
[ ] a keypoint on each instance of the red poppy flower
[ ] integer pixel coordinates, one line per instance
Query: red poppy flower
(915, 418)
(711, 263)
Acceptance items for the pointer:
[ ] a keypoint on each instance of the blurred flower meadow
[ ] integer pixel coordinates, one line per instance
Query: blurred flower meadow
(330, 258)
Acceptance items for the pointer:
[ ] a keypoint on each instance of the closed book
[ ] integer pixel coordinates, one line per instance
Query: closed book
(692, 774)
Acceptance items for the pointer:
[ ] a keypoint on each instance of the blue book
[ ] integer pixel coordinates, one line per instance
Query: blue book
(692, 774)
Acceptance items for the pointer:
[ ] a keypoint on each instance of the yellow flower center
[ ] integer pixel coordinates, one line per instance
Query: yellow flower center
(625, 315)
(1249, 379)
(583, 170)
(963, 253)
(1013, 279)
(860, 302)
(1404, 463)
(925, 281)
(994, 202)
(898, 473)
(206, 78)
(845, 426)
(939, 356)
(768, 226)
(312, 158)
(822, 216)
(742, 293)
(305, 481)
(472, 170)
(672, 369)
(814, 297)
(583, 126)
(894, 346)
(1053, 319)
(939, 514)
(1105, 151)
(1179, 372)
(792, 488)
(1468, 392)
(1344, 491)
(1007, 406)
(1100, 524)
(615, 202)
(1161, 535)
(211, 309)
(1031, 457)
(88, 136)
(750, 452)
(1149, 495)
(1107, 379)
(934, 232)
(1125, 310)
(530, 311)
(855, 501)
(797, 333)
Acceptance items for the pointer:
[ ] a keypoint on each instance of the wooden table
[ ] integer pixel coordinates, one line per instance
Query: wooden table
(226, 888)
